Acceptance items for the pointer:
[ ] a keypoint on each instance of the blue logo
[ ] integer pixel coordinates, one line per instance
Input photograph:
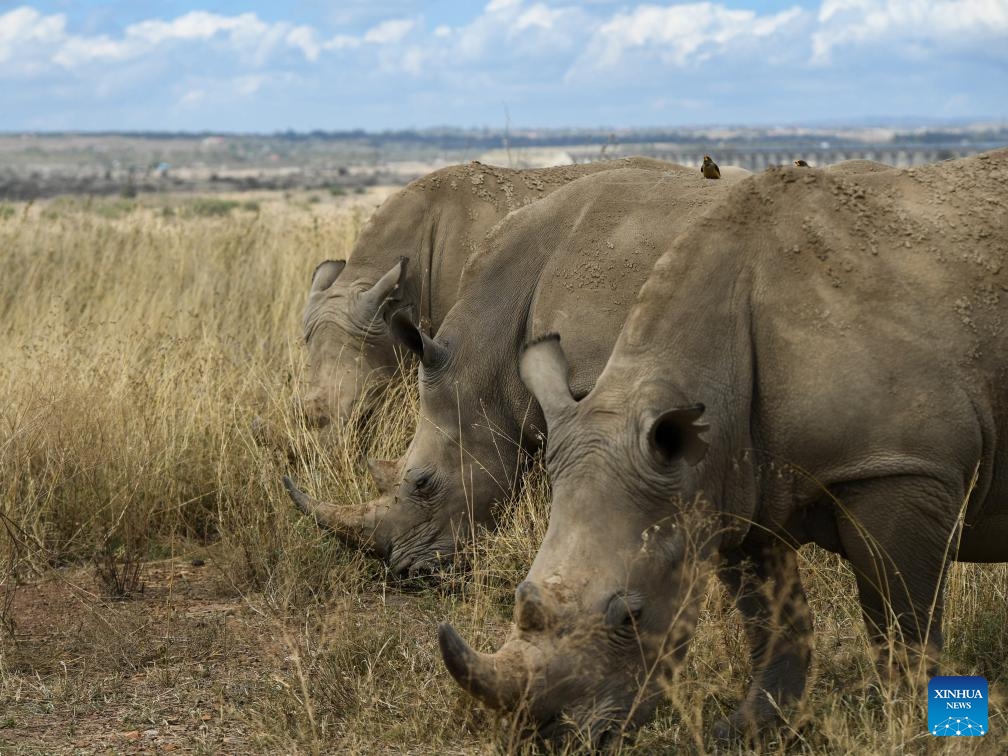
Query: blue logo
(957, 706)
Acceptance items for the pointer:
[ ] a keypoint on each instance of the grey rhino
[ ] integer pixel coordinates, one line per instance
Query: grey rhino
(820, 359)
(413, 249)
(571, 263)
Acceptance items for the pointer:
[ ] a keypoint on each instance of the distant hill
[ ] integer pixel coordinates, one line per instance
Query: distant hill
(45, 164)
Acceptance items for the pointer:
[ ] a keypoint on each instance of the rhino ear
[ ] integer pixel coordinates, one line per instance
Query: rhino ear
(407, 334)
(326, 273)
(543, 368)
(675, 435)
(372, 299)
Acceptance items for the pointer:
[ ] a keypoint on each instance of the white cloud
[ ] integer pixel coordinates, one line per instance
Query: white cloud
(304, 39)
(680, 34)
(509, 33)
(342, 42)
(538, 16)
(197, 25)
(389, 32)
(895, 23)
(32, 39)
(77, 51)
(23, 31)
(654, 56)
(496, 6)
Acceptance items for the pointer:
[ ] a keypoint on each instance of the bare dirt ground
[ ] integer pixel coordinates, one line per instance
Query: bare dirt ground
(192, 664)
(175, 663)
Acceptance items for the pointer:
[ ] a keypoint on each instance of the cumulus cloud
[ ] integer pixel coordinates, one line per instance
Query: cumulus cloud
(305, 39)
(510, 31)
(389, 32)
(860, 23)
(505, 31)
(648, 56)
(538, 16)
(680, 34)
(25, 26)
(27, 34)
(198, 25)
(23, 32)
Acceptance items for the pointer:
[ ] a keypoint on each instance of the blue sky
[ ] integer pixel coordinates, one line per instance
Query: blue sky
(389, 64)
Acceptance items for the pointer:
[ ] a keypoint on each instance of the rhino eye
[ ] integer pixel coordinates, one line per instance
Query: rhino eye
(422, 480)
(631, 618)
(623, 612)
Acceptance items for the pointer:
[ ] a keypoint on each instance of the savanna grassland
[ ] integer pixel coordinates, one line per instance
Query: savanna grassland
(158, 592)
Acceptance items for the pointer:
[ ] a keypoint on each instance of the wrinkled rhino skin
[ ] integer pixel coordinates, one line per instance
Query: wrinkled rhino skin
(410, 253)
(822, 359)
(571, 263)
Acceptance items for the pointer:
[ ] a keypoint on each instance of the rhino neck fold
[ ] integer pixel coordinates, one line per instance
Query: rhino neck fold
(708, 355)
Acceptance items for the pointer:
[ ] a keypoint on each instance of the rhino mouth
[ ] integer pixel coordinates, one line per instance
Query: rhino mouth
(429, 572)
(425, 563)
(604, 726)
(561, 698)
(424, 552)
(566, 734)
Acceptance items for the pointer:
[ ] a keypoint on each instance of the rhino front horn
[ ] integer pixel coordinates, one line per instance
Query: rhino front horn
(477, 673)
(302, 501)
(385, 473)
(358, 529)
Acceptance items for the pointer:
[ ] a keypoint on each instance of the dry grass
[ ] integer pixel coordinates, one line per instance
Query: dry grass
(138, 345)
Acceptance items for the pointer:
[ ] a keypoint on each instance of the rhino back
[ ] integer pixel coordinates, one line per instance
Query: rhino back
(877, 317)
(572, 264)
(616, 231)
(851, 167)
(438, 220)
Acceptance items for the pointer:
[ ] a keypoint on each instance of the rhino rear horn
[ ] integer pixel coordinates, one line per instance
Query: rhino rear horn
(326, 274)
(385, 473)
(543, 368)
(409, 335)
(375, 297)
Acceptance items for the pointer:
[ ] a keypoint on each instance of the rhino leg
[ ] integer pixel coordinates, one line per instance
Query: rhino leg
(897, 534)
(778, 624)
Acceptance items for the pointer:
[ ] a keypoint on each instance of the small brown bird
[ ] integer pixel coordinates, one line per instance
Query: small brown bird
(709, 168)
(802, 164)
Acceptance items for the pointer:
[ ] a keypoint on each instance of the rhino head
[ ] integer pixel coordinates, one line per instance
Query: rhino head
(350, 354)
(463, 458)
(608, 608)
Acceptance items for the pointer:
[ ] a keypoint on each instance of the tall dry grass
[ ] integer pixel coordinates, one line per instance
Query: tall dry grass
(139, 343)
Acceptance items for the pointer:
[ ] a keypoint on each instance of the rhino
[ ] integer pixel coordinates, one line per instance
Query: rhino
(820, 359)
(571, 263)
(412, 250)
